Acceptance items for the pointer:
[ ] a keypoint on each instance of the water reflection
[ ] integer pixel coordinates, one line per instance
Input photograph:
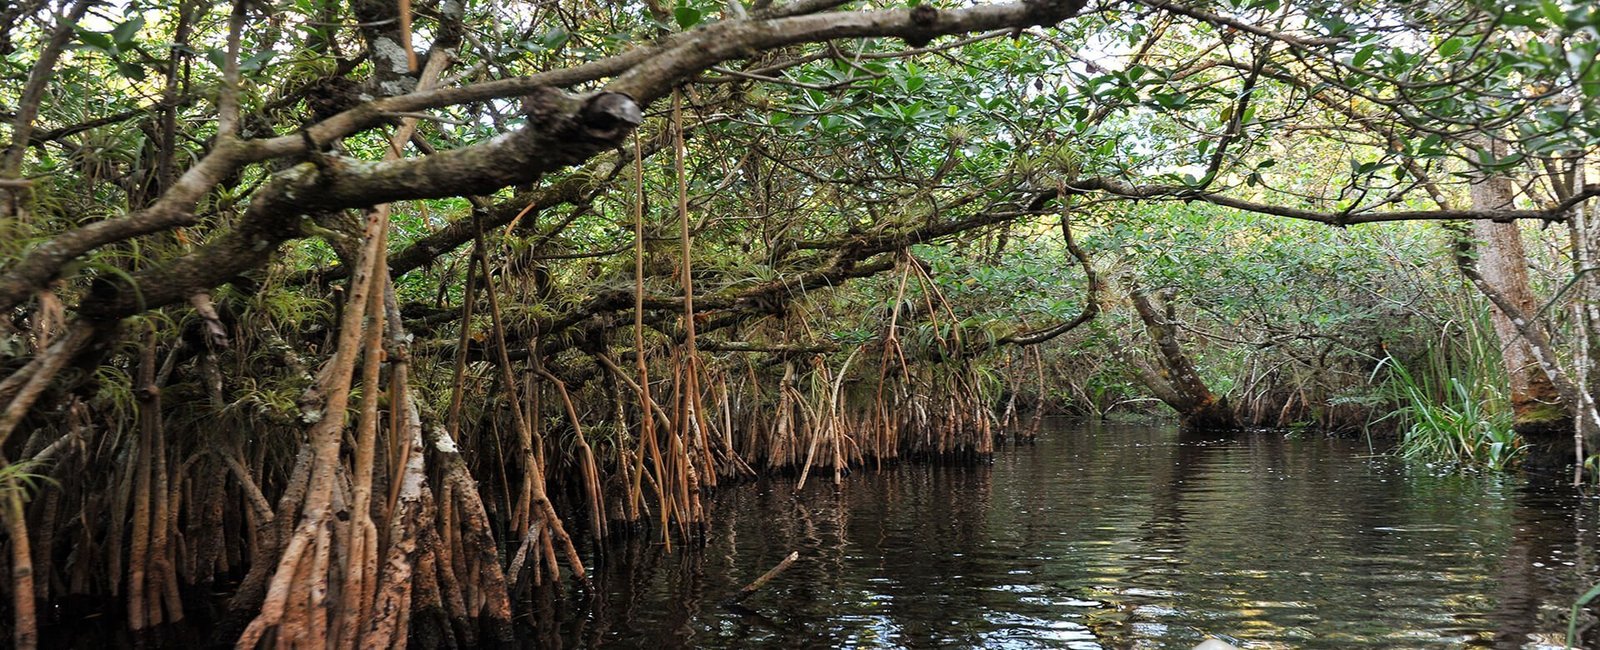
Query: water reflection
(1110, 538)
(1551, 542)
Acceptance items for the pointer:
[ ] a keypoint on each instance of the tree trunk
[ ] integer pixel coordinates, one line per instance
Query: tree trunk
(1540, 415)
(1198, 408)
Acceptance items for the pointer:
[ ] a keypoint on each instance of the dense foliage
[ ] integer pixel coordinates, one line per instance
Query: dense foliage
(369, 315)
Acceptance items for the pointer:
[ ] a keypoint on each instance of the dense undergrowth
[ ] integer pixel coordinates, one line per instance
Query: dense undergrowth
(367, 321)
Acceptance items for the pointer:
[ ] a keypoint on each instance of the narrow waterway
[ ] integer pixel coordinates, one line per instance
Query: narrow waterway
(1113, 537)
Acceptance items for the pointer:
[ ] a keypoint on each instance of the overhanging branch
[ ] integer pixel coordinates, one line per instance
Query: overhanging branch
(560, 132)
(1122, 189)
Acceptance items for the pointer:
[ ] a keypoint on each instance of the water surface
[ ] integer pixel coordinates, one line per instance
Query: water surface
(1115, 537)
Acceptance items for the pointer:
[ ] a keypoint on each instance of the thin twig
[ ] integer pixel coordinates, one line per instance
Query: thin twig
(762, 581)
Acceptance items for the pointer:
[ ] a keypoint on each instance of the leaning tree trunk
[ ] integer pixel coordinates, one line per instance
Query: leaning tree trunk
(1540, 415)
(1177, 382)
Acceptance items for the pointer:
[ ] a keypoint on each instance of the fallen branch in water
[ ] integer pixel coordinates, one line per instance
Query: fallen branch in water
(763, 580)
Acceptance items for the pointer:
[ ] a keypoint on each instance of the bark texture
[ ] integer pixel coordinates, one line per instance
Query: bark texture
(1541, 416)
(1176, 381)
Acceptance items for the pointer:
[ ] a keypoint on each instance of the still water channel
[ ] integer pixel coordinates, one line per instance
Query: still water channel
(1113, 537)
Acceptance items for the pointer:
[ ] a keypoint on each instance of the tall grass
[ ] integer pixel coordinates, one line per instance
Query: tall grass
(1452, 402)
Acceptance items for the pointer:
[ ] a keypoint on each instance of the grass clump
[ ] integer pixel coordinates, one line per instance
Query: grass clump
(1444, 419)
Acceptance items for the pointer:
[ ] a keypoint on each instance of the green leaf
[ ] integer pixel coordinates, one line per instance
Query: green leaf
(687, 16)
(1552, 12)
(554, 38)
(97, 41)
(1170, 100)
(132, 71)
(256, 61)
(1451, 46)
(123, 34)
(1516, 19)
(1572, 621)
(1363, 55)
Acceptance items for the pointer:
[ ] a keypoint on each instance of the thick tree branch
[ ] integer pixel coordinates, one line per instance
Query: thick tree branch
(44, 261)
(577, 187)
(644, 73)
(33, 93)
(562, 131)
(719, 42)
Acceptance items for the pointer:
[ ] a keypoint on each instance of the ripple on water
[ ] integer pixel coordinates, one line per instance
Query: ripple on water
(1115, 538)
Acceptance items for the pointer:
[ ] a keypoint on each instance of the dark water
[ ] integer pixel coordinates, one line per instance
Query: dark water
(1112, 538)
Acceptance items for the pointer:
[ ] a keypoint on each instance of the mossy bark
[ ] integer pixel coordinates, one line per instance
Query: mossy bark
(1178, 382)
(1540, 415)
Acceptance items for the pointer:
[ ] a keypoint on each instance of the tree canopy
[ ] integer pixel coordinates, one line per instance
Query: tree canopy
(413, 282)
